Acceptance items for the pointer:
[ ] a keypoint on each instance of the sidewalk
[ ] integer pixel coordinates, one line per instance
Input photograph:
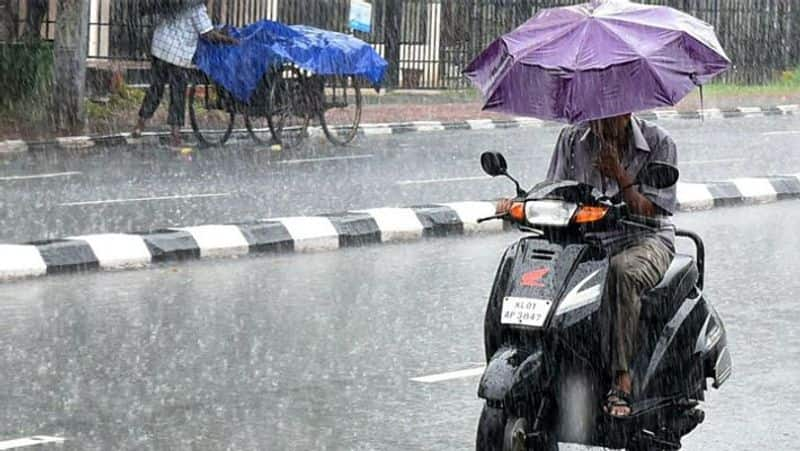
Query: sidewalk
(394, 107)
(459, 106)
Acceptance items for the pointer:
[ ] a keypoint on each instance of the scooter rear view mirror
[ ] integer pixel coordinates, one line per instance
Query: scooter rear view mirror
(494, 163)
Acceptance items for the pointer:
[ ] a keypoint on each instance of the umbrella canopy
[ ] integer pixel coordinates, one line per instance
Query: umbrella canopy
(597, 60)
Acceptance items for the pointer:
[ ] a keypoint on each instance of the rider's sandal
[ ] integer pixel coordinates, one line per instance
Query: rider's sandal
(618, 398)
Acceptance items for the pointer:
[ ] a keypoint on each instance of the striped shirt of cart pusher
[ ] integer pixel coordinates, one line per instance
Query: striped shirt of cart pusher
(174, 45)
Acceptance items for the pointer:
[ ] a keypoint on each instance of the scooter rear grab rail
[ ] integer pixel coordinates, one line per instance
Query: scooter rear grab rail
(701, 253)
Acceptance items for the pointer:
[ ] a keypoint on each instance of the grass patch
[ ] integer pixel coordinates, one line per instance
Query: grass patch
(123, 101)
(788, 83)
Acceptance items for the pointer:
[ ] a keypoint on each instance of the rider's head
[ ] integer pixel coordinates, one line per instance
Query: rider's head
(612, 129)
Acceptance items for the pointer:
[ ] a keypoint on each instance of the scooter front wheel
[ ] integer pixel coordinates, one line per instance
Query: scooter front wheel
(491, 428)
(497, 432)
(515, 438)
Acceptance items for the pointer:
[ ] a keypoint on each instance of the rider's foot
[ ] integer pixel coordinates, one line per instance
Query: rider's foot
(618, 404)
(618, 399)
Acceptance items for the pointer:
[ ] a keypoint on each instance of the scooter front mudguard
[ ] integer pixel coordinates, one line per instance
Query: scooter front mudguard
(512, 377)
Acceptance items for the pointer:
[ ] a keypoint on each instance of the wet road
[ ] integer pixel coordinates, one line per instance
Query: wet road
(318, 351)
(55, 194)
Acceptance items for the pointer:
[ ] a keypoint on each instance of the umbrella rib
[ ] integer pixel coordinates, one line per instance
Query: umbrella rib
(658, 79)
(538, 45)
(621, 38)
(582, 43)
(710, 46)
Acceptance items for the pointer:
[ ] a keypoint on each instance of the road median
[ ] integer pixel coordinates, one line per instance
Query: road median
(328, 232)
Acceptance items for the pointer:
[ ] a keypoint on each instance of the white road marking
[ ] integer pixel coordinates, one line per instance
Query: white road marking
(751, 110)
(470, 212)
(396, 224)
(787, 132)
(143, 199)
(29, 441)
(319, 160)
(721, 160)
(449, 180)
(756, 190)
(377, 130)
(116, 250)
(789, 109)
(218, 240)
(481, 124)
(39, 176)
(711, 113)
(462, 374)
(21, 261)
(311, 233)
(694, 196)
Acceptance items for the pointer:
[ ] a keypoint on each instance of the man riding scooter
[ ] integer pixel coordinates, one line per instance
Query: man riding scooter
(609, 154)
(592, 65)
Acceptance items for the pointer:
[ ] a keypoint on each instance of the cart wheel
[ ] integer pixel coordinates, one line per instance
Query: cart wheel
(210, 110)
(287, 114)
(340, 112)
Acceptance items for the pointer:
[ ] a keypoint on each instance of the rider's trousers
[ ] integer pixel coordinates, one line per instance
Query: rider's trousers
(632, 272)
(164, 73)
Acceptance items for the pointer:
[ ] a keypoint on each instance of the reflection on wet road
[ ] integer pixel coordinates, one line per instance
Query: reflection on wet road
(319, 351)
(173, 190)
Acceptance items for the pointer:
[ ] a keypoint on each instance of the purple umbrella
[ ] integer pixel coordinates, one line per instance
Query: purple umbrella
(597, 60)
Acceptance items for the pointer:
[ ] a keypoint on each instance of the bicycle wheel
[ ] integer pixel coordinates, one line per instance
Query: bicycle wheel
(255, 112)
(288, 106)
(340, 112)
(210, 110)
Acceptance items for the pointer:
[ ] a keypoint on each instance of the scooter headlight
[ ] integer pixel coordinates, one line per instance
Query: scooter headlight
(549, 213)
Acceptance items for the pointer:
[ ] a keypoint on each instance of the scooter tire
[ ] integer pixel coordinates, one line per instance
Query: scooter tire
(516, 426)
(491, 428)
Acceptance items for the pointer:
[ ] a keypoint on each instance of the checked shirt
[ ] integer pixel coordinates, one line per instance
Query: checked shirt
(175, 39)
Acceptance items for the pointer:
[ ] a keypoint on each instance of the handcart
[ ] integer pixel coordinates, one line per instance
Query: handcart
(286, 102)
(292, 77)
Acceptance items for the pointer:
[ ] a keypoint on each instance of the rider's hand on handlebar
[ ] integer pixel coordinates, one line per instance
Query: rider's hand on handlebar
(503, 206)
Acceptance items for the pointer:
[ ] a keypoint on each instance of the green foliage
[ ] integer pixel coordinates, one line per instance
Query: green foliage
(787, 83)
(26, 74)
(123, 101)
(791, 77)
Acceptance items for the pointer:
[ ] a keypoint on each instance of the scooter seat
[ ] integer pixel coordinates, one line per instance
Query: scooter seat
(669, 294)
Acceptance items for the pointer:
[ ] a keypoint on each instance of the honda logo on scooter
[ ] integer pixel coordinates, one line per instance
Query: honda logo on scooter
(534, 278)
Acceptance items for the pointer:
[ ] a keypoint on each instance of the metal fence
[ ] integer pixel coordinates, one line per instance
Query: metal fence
(429, 42)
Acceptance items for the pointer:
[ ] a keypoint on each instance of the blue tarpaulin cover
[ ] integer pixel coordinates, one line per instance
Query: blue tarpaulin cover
(264, 44)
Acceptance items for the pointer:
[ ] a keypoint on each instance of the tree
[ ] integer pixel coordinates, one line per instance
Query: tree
(393, 24)
(70, 49)
(37, 10)
(8, 22)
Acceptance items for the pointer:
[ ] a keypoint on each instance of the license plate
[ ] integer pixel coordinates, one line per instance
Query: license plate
(525, 311)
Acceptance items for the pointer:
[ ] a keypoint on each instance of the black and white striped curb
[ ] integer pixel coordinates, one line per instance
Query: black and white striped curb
(156, 138)
(323, 233)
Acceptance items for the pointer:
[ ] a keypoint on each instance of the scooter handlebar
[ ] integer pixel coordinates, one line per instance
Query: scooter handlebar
(492, 218)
